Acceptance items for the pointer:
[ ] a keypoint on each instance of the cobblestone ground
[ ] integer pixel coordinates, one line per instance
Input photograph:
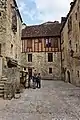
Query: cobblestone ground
(56, 100)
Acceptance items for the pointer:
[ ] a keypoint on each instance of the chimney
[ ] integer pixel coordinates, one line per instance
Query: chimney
(71, 4)
(63, 19)
(23, 26)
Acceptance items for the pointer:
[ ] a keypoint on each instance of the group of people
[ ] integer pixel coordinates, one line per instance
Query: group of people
(36, 78)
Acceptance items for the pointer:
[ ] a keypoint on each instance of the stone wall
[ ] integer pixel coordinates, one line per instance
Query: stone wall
(10, 41)
(13, 81)
(41, 64)
(71, 42)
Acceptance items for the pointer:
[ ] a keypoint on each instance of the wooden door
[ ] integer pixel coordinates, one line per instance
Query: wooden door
(30, 71)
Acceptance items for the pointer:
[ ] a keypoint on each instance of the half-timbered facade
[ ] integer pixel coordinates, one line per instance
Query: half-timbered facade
(41, 49)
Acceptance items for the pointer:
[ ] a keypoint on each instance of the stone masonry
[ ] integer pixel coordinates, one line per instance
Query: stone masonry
(39, 41)
(10, 40)
(70, 45)
(41, 64)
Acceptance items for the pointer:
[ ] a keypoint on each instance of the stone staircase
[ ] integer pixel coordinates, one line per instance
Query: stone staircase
(2, 81)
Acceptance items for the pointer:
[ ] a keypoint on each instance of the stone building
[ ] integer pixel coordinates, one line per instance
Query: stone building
(41, 49)
(70, 45)
(10, 45)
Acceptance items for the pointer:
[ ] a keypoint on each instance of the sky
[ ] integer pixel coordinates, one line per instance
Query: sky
(40, 11)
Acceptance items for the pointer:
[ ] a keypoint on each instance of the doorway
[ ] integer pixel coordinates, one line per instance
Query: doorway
(30, 71)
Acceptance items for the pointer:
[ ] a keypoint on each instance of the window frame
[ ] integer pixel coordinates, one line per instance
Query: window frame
(50, 57)
(29, 57)
(50, 70)
(48, 42)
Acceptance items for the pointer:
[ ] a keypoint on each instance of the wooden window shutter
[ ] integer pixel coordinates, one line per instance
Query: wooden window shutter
(56, 43)
(29, 43)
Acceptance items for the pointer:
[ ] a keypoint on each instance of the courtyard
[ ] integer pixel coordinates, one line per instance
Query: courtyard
(56, 100)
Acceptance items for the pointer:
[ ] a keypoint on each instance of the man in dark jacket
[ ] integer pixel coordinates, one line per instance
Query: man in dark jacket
(34, 79)
(38, 81)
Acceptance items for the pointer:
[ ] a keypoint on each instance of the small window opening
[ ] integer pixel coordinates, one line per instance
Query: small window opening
(24, 68)
(78, 73)
(11, 48)
(50, 70)
(76, 15)
(0, 13)
(50, 57)
(76, 47)
(29, 57)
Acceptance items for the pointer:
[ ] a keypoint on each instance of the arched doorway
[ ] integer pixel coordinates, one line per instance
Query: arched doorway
(68, 73)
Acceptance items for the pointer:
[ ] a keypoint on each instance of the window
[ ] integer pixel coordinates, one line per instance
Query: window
(79, 25)
(29, 57)
(78, 73)
(0, 13)
(56, 43)
(70, 24)
(14, 20)
(76, 47)
(70, 42)
(0, 49)
(76, 15)
(11, 48)
(50, 57)
(48, 42)
(50, 70)
(24, 68)
(29, 43)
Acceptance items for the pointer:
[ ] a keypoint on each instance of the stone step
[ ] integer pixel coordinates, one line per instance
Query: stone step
(3, 79)
(3, 76)
(1, 84)
(1, 91)
(1, 87)
(1, 94)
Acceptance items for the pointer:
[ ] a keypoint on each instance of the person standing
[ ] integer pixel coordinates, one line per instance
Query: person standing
(38, 81)
(29, 79)
(34, 79)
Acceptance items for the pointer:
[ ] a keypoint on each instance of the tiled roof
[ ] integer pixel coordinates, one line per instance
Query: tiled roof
(43, 30)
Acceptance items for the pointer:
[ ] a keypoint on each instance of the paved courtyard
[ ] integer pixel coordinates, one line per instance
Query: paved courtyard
(56, 100)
